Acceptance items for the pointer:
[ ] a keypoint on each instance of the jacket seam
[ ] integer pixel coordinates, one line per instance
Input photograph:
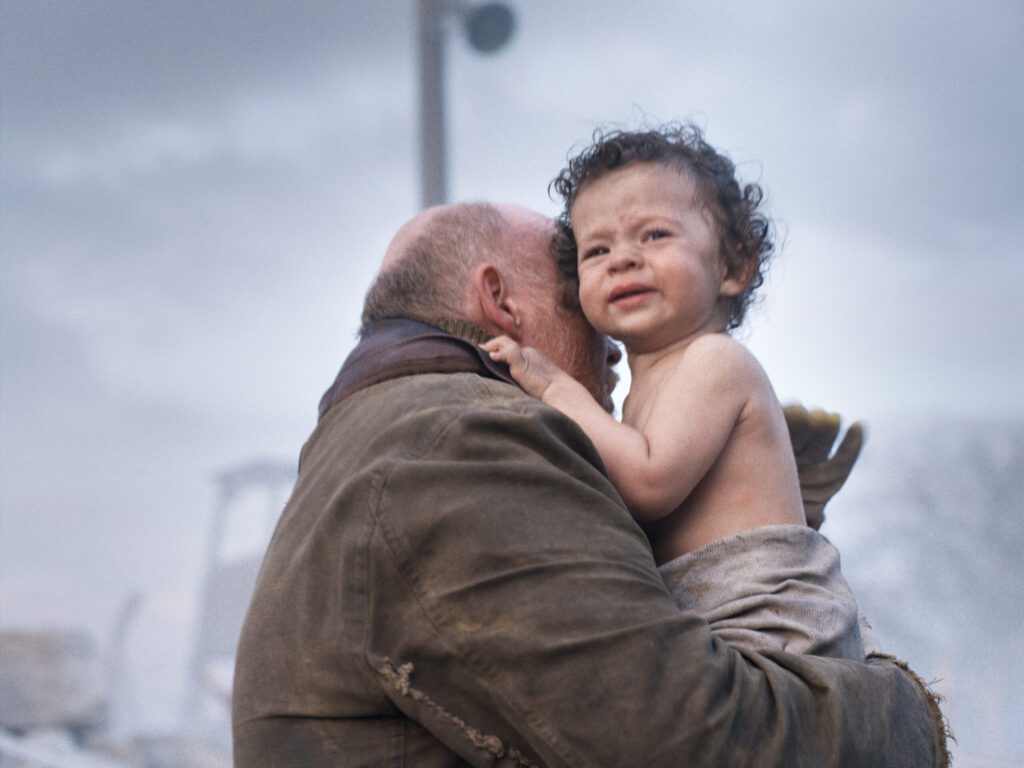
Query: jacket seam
(396, 673)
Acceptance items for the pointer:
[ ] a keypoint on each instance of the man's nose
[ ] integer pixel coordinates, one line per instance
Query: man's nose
(613, 352)
(612, 356)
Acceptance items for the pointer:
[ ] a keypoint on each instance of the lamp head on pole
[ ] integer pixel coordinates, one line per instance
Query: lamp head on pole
(489, 26)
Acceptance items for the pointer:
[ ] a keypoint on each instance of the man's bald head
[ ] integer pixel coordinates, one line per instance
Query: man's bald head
(491, 266)
(427, 268)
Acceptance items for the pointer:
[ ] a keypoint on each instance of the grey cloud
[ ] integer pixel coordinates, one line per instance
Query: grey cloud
(79, 68)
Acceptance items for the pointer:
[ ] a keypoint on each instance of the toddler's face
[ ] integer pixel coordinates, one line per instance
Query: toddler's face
(650, 268)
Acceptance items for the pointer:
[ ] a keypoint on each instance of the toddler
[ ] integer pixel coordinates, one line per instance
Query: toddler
(668, 249)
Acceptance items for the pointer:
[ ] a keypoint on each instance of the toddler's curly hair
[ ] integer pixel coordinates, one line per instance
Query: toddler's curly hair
(746, 234)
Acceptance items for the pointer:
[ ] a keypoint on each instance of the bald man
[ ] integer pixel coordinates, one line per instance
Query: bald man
(454, 581)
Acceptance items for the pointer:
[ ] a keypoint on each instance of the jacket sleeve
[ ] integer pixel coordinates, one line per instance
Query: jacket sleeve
(515, 611)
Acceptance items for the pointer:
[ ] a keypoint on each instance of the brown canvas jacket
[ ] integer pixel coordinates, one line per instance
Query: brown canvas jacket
(455, 582)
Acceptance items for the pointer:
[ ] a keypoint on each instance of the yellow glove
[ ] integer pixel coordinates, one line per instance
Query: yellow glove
(813, 433)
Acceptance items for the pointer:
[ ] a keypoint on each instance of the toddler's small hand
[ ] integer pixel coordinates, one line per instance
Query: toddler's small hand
(503, 349)
(531, 368)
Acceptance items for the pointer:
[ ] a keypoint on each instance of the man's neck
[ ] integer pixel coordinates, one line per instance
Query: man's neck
(462, 328)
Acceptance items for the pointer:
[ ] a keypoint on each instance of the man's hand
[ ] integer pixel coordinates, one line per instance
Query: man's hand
(813, 433)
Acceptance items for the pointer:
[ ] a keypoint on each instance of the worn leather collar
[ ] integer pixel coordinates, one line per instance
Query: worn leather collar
(402, 347)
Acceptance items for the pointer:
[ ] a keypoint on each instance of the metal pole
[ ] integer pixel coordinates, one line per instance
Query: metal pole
(433, 149)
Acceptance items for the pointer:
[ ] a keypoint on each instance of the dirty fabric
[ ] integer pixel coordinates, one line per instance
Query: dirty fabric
(454, 581)
(777, 587)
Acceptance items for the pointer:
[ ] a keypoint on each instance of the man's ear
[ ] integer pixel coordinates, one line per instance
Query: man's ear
(499, 308)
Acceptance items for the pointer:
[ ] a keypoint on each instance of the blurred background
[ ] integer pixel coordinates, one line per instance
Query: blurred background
(195, 196)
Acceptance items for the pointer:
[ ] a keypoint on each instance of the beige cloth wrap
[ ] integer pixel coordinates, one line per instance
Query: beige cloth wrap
(778, 587)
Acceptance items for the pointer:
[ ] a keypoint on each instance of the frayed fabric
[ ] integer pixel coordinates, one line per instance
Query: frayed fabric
(398, 678)
(944, 733)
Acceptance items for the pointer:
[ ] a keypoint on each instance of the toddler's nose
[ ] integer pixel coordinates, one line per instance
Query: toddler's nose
(626, 257)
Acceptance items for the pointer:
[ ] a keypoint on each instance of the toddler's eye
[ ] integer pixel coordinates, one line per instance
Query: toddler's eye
(657, 234)
(595, 251)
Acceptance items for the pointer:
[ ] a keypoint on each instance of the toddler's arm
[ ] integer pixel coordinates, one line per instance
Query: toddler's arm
(689, 422)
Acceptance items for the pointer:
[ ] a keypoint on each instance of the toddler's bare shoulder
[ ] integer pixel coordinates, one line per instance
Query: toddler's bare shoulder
(718, 348)
(719, 357)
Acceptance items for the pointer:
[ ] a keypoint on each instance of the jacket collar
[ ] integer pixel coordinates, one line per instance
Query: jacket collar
(402, 347)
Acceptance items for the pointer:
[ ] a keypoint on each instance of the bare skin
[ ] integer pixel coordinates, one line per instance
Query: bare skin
(702, 450)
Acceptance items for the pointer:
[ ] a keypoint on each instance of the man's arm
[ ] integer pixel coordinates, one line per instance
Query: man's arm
(515, 612)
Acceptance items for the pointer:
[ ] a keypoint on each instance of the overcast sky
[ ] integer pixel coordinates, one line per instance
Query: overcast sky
(195, 196)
